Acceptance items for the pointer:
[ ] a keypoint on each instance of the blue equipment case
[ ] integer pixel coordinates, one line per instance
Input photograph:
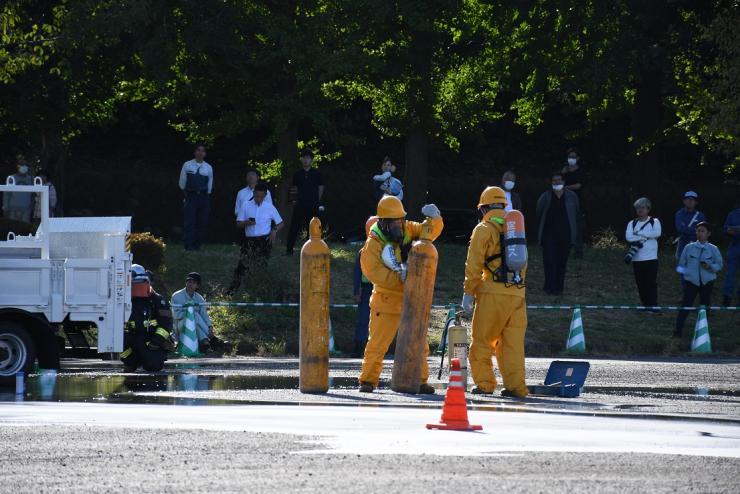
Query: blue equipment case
(565, 378)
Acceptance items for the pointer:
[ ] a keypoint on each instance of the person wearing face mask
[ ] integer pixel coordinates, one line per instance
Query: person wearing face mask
(557, 216)
(19, 205)
(382, 260)
(573, 175)
(513, 201)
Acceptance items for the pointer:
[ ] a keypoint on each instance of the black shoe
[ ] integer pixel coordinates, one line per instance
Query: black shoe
(366, 388)
(129, 368)
(508, 394)
(477, 391)
(726, 301)
(426, 389)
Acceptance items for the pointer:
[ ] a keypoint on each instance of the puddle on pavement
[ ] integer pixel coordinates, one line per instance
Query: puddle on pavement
(62, 387)
(74, 386)
(660, 392)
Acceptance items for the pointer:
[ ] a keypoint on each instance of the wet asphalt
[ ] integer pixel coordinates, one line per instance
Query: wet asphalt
(88, 458)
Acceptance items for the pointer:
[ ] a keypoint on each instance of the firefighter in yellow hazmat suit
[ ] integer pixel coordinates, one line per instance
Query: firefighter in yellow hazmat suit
(500, 317)
(383, 259)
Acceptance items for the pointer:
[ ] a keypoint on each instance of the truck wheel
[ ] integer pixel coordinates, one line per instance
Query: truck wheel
(17, 351)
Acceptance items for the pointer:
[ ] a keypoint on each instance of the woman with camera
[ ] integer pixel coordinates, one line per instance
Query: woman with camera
(642, 234)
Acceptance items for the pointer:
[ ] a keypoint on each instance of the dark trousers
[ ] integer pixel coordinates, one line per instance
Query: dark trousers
(555, 253)
(253, 253)
(646, 277)
(197, 206)
(689, 295)
(580, 226)
(302, 215)
(363, 318)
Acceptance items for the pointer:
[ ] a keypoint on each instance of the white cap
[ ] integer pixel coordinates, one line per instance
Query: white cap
(691, 194)
(139, 274)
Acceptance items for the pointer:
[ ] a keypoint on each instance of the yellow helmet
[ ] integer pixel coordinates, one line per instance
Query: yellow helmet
(492, 195)
(390, 207)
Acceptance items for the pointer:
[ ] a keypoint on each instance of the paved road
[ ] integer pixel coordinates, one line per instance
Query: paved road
(96, 448)
(111, 443)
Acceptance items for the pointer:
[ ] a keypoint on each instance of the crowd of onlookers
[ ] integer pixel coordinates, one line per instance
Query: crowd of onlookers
(560, 227)
(559, 213)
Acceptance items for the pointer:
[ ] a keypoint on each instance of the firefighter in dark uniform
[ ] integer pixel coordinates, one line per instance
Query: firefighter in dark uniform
(147, 337)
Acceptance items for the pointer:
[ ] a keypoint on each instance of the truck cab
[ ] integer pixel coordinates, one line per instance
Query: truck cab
(71, 273)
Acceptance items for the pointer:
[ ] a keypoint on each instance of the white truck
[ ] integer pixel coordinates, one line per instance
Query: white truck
(73, 273)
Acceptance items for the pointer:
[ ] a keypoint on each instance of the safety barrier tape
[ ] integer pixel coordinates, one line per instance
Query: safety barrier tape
(534, 307)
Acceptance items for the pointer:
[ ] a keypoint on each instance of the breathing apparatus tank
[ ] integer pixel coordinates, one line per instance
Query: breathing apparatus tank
(515, 246)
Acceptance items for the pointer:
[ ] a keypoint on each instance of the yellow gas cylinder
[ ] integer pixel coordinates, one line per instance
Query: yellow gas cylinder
(314, 318)
(457, 337)
(417, 303)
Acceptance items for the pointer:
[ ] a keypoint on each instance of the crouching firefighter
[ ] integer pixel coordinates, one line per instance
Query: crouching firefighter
(383, 262)
(495, 272)
(147, 338)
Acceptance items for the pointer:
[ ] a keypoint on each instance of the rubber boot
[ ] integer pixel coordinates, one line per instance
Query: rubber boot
(366, 387)
(426, 389)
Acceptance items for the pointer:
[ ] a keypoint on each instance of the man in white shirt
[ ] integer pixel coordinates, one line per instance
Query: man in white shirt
(247, 193)
(257, 217)
(196, 182)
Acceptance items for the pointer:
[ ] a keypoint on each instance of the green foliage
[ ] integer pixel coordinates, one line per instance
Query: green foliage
(149, 251)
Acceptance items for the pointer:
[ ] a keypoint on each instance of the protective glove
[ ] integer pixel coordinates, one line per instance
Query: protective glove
(468, 303)
(382, 177)
(430, 211)
(388, 255)
(403, 272)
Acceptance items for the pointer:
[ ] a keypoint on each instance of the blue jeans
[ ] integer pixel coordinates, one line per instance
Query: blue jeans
(197, 206)
(733, 263)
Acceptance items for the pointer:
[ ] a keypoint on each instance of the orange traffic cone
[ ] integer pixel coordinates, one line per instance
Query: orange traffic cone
(455, 410)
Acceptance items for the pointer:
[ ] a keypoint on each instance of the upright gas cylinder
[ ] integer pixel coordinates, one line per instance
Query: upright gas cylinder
(314, 318)
(417, 303)
(457, 337)
(515, 245)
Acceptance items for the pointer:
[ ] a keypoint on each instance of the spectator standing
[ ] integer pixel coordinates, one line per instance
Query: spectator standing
(308, 186)
(196, 182)
(573, 176)
(19, 205)
(513, 201)
(257, 217)
(386, 183)
(44, 175)
(247, 193)
(557, 213)
(643, 232)
(699, 264)
(732, 229)
(686, 220)
(203, 325)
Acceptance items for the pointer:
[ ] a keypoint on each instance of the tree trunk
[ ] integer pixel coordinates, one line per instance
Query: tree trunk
(415, 175)
(287, 151)
(647, 116)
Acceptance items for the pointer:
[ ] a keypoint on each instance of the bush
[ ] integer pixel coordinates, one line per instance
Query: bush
(15, 226)
(148, 251)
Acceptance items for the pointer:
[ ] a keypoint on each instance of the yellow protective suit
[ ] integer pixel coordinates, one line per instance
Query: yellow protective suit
(386, 301)
(500, 316)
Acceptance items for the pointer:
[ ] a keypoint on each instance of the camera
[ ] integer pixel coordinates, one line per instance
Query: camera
(634, 247)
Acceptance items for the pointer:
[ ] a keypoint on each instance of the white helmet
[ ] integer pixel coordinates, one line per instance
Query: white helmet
(139, 274)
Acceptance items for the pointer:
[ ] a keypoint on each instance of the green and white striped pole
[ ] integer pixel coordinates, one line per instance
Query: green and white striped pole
(701, 342)
(576, 339)
(188, 337)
